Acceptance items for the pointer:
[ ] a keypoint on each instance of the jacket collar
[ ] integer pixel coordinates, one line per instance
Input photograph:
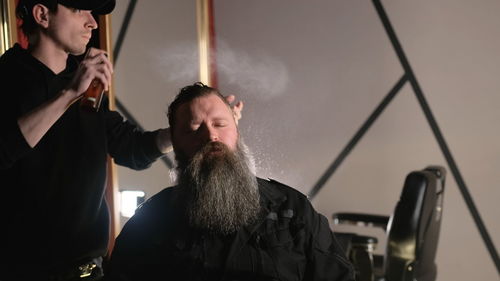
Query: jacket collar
(270, 196)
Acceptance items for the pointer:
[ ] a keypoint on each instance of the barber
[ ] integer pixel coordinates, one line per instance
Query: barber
(53, 152)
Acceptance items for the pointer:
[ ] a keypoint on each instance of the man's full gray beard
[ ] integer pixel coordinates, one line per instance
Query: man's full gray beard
(223, 189)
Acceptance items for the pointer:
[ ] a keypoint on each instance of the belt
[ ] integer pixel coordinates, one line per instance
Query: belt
(88, 270)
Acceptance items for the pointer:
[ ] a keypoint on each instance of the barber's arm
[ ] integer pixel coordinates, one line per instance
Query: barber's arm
(19, 136)
(35, 124)
(22, 132)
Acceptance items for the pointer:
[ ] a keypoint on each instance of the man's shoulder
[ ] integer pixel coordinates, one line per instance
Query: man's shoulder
(14, 56)
(269, 182)
(17, 65)
(11, 53)
(160, 199)
(281, 192)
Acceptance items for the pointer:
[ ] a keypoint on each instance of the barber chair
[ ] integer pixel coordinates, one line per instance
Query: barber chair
(412, 232)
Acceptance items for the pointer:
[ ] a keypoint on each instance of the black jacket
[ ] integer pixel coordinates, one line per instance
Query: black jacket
(290, 241)
(53, 212)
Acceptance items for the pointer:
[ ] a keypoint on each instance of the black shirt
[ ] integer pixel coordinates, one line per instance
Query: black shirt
(53, 211)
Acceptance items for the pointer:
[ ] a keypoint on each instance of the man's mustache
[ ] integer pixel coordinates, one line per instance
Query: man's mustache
(214, 146)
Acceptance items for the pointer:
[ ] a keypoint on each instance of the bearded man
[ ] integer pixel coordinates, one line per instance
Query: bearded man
(221, 222)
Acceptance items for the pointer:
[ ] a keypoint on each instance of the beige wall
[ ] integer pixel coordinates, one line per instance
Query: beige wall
(311, 72)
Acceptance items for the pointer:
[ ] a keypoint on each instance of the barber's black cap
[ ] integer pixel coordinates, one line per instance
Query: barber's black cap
(98, 7)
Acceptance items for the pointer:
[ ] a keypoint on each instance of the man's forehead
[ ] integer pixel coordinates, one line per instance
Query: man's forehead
(211, 103)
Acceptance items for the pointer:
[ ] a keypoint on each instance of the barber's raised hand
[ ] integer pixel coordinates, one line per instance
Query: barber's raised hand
(95, 65)
(237, 107)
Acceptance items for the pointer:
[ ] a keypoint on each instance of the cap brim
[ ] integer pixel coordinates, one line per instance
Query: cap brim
(98, 7)
(106, 8)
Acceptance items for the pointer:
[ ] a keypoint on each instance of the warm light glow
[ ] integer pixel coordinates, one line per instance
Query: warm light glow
(130, 199)
(203, 40)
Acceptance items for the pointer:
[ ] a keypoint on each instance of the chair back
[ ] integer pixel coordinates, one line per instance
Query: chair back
(413, 229)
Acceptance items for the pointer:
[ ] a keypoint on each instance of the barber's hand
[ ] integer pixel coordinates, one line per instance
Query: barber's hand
(95, 65)
(237, 107)
(163, 141)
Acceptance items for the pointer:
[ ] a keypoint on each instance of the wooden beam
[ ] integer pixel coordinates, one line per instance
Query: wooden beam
(206, 42)
(112, 193)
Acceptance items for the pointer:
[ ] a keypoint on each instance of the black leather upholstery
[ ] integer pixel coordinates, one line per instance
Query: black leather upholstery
(412, 232)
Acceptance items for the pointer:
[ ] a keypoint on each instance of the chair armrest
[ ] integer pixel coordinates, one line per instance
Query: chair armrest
(349, 241)
(361, 219)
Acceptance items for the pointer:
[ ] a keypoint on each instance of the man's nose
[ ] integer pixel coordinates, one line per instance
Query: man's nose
(91, 22)
(211, 134)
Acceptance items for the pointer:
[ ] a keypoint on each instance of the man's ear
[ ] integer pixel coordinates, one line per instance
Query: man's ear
(41, 15)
